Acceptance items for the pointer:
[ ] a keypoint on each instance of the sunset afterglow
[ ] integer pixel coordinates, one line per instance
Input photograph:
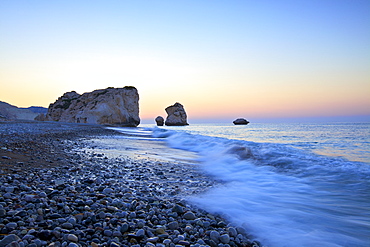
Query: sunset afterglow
(220, 59)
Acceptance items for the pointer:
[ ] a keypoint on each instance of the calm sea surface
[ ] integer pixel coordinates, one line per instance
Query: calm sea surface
(303, 184)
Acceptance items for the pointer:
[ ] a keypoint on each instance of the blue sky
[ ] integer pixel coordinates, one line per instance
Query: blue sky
(221, 59)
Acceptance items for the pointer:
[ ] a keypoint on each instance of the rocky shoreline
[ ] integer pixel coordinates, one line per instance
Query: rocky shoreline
(53, 193)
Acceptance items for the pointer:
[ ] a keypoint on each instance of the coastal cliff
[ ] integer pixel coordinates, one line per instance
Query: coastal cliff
(110, 106)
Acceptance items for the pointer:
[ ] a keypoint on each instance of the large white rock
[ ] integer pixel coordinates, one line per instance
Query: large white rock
(111, 106)
(176, 115)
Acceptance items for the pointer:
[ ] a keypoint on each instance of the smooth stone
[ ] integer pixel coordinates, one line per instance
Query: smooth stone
(140, 233)
(107, 191)
(189, 216)
(7, 195)
(108, 233)
(9, 189)
(232, 232)
(72, 237)
(225, 238)
(29, 198)
(43, 194)
(178, 209)
(2, 212)
(9, 239)
(13, 244)
(124, 227)
(153, 239)
(183, 242)
(160, 230)
(117, 234)
(114, 244)
(11, 225)
(214, 235)
(167, 241)
(67, 225)
(173, 225)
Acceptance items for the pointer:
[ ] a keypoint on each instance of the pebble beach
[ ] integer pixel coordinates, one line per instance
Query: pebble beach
(55, 190)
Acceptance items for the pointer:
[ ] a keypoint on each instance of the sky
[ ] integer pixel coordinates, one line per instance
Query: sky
(220, 59)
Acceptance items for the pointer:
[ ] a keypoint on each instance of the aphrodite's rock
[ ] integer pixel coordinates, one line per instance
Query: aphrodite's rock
(159, 120)
(240, 121)
(111, 106)
(176, 115)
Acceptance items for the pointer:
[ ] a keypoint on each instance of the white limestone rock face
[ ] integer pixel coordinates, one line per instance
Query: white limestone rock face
(111, 106)
(176, 115)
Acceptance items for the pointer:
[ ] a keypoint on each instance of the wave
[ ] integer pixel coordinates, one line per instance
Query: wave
(284, 196)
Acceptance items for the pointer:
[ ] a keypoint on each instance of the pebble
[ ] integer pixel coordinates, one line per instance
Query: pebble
(225, 238)
(72, 237)
(67, 225)
(173, 225)
(109, 202)
(140, 233)
(214, 235)
(9, 239)
(189, 216)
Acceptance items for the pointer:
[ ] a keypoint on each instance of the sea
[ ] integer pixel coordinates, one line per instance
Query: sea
(287, 184)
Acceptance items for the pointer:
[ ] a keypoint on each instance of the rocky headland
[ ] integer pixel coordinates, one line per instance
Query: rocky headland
(11, 112)
(53, 192)
(110, 106)
(176, 115)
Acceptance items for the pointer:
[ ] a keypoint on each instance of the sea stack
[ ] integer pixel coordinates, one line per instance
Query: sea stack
(176, 115)
(240, 121)
(111, 106)
(159, 120)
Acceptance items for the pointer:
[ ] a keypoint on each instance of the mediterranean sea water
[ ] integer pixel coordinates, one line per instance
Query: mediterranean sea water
(286, 184)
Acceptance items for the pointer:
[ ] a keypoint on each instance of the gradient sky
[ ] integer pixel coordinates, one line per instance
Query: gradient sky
(220, 59)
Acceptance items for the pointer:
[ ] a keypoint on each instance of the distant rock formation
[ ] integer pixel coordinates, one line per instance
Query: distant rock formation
(159, 120)
(111, 106)
(176, 115)
(11, 112)
(240, 121)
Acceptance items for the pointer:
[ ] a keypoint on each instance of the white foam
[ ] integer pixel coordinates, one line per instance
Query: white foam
(283, 196)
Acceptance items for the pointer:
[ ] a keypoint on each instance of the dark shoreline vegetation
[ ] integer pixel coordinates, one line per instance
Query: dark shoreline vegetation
(53, 193)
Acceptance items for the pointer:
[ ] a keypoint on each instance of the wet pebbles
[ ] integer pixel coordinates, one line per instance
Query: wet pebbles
(99, 201)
